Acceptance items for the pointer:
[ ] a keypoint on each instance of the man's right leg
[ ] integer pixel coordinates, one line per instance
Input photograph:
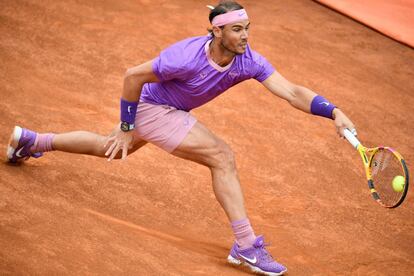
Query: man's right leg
(85, 142)
(25, 143)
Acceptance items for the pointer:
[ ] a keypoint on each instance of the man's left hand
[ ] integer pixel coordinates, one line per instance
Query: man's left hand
(342, 122)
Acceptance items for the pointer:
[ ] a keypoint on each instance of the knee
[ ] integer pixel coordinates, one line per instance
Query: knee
(101, 145)
(224, 157)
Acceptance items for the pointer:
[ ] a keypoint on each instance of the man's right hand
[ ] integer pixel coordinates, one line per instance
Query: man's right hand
(119, 140)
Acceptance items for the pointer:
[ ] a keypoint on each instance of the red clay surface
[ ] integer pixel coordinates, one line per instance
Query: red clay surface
(393, 18)
(64, 214)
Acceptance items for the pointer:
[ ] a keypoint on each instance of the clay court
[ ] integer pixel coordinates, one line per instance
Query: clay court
(62, 69)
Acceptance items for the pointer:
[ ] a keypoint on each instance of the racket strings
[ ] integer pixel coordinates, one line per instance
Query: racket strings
(384, 167)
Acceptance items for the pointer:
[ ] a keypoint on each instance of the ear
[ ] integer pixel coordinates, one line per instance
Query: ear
(218, 32)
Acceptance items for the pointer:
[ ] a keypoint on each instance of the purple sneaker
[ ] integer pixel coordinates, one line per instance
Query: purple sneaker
(257, 258)
(20, 143)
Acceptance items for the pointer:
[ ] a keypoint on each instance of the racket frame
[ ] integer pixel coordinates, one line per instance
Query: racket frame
(367, 161)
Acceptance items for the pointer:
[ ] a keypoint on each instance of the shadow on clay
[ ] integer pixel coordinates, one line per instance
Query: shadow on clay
(205, 248)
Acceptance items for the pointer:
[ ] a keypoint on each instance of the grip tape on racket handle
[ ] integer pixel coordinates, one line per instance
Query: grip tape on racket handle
(351, 138)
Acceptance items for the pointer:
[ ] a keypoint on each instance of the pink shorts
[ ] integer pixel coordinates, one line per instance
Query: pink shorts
(162, 125)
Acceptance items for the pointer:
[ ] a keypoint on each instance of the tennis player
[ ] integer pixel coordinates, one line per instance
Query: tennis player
(155, 107)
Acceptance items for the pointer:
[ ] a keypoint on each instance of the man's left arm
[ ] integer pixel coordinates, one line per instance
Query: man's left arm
(308, 101)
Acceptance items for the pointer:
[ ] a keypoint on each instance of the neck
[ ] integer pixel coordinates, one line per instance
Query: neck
(219, 53)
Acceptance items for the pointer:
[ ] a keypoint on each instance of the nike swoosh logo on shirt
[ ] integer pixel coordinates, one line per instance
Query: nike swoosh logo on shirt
(253, 261)
(18, 152)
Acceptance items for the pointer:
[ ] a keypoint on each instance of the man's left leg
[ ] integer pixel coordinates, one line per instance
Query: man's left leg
(203, 147)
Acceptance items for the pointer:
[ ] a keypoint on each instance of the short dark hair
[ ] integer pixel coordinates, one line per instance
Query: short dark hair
(221, 8)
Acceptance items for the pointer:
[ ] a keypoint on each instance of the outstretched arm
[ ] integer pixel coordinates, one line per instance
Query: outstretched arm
(306, 100)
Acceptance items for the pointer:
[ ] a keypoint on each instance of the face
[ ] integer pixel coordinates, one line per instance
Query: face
(234, 36)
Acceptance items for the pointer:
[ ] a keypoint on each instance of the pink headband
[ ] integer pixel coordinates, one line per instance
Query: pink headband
(229, 17)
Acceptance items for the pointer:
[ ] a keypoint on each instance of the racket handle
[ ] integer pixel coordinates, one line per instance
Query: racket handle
(351, 138)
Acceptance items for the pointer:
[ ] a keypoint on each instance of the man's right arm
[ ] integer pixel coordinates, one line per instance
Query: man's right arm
(135, 78)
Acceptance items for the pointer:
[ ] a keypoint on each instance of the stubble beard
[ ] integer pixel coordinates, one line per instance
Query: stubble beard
(228, 49)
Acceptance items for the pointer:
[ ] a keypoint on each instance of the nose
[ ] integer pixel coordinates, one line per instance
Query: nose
(245, 34)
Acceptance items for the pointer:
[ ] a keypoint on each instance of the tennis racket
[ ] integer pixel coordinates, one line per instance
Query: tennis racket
(386, 172)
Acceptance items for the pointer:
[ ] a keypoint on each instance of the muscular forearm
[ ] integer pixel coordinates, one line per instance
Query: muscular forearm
(135, 78)
(132, 88)
(302, 98)
(306, 100)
